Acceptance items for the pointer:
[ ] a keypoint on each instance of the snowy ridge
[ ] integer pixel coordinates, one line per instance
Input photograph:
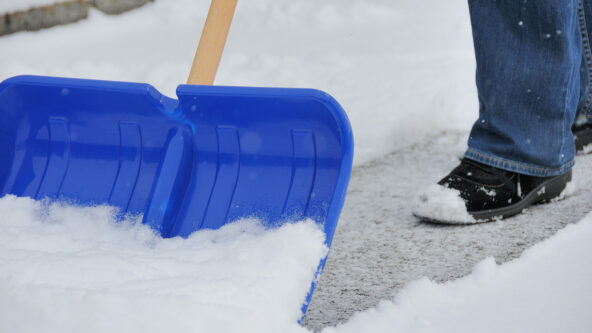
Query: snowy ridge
(74, 269)
(546, 290)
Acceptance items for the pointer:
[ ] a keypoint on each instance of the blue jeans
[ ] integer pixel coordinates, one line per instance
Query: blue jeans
(534, 69)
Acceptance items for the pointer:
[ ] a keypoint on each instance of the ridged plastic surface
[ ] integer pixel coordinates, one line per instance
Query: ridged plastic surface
(209, 158)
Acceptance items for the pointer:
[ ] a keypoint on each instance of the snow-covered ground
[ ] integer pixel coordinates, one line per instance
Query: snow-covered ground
(75, 269)
(379, 247)
(403, 71)
(546, 290)
(70, 269)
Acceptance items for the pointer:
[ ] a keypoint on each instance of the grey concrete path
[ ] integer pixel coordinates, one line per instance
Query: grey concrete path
(379, 246)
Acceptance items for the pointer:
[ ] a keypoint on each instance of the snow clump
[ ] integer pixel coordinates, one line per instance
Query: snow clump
(443, 204)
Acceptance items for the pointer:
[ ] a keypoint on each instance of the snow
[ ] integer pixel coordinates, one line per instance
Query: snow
(442, 204)
(569, 190)
(546, 290)
(400, 71)
(75, 269)
(10, 6)
(404, 72)
(379, 246)
(101, 275)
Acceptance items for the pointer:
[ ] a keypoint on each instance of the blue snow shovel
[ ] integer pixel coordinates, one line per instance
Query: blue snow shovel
(208, 158)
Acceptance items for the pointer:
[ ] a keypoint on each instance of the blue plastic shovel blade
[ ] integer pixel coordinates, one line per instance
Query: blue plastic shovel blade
(213, 156)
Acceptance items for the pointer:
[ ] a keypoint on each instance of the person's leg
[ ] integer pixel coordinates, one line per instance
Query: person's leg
(529, 55)
(521, 149)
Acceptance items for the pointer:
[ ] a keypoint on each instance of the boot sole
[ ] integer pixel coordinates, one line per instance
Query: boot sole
(546, 191)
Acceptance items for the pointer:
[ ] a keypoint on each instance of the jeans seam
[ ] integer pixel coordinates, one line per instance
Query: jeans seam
(518, 164)
(587, 51)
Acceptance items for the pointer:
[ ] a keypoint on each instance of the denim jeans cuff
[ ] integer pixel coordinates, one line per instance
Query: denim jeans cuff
(515, 166)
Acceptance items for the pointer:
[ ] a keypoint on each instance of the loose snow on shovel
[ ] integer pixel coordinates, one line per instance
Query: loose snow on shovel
(65, 268)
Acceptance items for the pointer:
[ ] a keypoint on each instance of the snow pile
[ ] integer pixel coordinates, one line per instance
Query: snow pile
(443, 204)
(547, 290)
(10, 6)
(72, 269)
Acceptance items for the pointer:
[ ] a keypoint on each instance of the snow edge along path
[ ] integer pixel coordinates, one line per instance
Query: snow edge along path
(67, 268)
(546, 290)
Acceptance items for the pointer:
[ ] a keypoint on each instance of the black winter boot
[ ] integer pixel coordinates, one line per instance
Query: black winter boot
(583, 138)
(474, 192)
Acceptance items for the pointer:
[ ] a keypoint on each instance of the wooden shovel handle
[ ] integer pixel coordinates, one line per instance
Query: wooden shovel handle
(211, 44)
